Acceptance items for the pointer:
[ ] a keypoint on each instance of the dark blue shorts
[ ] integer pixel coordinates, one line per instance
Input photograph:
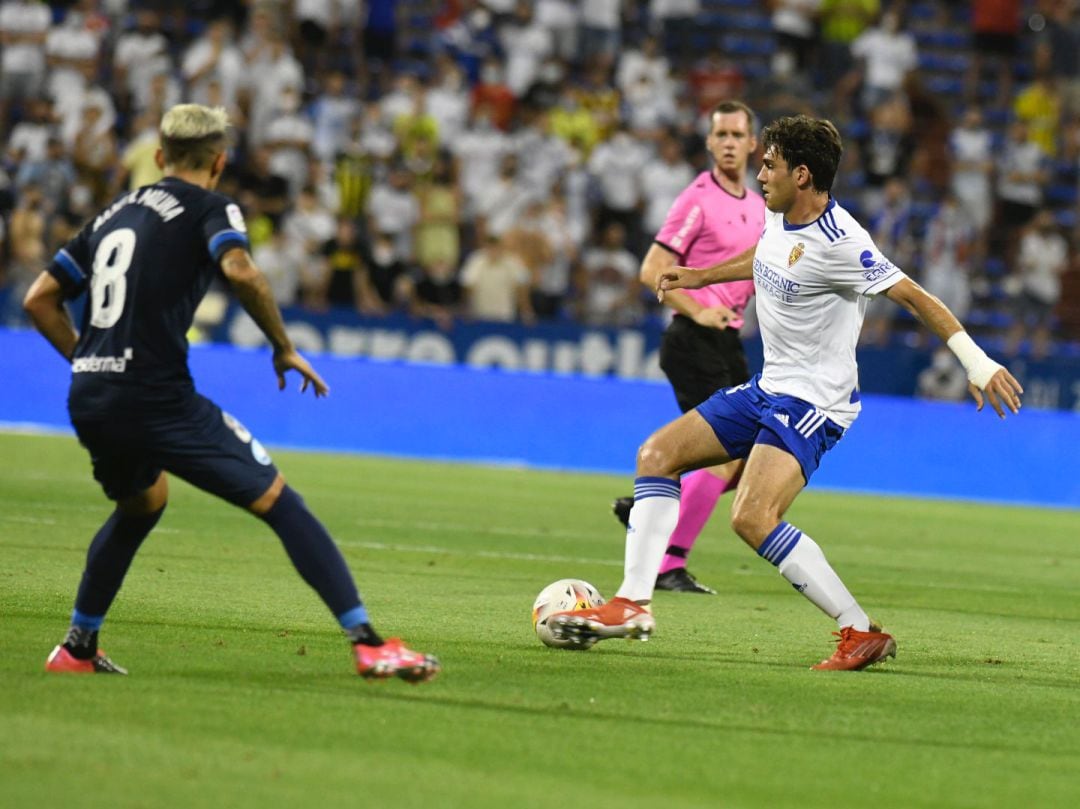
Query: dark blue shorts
(194, 439)
(746, 415)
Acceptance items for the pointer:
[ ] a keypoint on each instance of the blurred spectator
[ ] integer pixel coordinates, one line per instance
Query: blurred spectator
(608, 286)
(214, 55)
(526, 44)
(616, 169)
(663, 177)
(841, 23)
(794, 23)
(601, 29)
(332, 113)
(885, 149)
(387, 284)
(447, 100)
(344, 267)
(28, 250)
(1022, 172)
(24, 25)
(996, 28)
(308, 227)
(381, 30)
(1059, 46)
(1035, 287)
(478, 156)
(393, 208)
(885, 55)
(281, 261)
(438, 237)
(676, 19)
(288, 136)
(947, 252)
(141, 52)
(94, 154)
(563, 19)
(972, 148)
(646, 62)
(53, 177)
(499, 204)
(1039, 105)
(471, 39)
(713, 79)
(891, 229)
(29, 138)
(599, 97)
(543, 239)
(496, 284)
(491, 98)
(945, 380)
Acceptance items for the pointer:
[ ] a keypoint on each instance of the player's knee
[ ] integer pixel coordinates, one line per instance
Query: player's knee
(653, 459)
(751, 522)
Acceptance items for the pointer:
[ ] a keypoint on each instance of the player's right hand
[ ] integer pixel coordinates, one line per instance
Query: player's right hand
(291, 360)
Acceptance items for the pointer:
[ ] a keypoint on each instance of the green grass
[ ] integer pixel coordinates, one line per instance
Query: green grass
(241, 691)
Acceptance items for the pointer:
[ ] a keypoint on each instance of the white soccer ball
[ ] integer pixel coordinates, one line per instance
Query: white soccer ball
(562, 596)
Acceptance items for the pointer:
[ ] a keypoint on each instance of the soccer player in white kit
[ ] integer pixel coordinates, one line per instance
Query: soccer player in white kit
(814, 269)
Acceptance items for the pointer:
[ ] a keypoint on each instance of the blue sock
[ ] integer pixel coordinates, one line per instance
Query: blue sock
(107, 562)
(316, 557)
(778, 544)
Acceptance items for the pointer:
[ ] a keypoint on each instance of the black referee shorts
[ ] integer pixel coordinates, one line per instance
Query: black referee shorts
(699, 361)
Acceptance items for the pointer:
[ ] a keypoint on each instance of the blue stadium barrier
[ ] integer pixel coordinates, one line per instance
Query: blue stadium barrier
(898, 446)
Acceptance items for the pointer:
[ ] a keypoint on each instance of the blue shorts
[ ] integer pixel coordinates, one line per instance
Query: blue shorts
(746, 415)
(194, 439)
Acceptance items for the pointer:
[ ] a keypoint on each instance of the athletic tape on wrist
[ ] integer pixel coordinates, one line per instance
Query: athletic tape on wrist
(980, 368)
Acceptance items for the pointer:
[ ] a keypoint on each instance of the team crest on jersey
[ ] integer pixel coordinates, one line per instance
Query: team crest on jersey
(236, 219)
(796, 253)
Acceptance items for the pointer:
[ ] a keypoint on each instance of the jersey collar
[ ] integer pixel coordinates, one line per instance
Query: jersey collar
(829, 207)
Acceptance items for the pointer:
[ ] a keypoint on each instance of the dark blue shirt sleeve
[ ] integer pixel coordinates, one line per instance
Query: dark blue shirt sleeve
(72, 264)
(223, 227)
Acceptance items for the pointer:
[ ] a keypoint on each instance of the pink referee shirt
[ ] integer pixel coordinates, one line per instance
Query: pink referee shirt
(705, 226)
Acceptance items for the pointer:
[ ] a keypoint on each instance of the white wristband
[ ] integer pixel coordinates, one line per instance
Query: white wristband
(980, 368)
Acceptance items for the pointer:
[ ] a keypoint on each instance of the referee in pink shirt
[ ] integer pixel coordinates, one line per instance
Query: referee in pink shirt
(715, 218)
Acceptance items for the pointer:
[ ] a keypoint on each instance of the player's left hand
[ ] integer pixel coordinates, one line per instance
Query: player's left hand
(292, 361)
(1002, 391)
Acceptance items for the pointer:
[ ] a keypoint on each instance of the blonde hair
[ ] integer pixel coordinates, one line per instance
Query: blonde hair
(192, 136)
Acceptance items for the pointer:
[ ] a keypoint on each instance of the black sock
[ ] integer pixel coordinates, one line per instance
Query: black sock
(365, 634)
(82, 643)
(109, 557)
(313, 552)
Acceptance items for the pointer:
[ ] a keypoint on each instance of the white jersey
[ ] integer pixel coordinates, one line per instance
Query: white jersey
(813, 283)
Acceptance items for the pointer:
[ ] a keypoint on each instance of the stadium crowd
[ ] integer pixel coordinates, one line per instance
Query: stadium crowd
(511, 161)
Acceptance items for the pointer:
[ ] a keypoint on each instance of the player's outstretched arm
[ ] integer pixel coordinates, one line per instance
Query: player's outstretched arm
(44, 304)
(984, 375)
(253, 291)
(739, 268)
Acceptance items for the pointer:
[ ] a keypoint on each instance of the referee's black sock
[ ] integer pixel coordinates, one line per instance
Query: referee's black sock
(314, 554)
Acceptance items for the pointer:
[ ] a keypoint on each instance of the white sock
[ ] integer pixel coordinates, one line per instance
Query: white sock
(800, 560)
(652, 521)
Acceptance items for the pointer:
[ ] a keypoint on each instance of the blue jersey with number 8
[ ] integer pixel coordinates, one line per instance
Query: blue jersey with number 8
(145, 263)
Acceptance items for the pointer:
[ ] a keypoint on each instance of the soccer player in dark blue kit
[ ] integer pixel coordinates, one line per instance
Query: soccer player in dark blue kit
(146, 261)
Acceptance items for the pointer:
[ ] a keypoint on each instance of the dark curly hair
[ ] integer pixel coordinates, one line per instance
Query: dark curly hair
(805, 141)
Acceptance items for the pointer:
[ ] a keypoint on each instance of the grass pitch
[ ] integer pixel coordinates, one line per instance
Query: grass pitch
(241, 692)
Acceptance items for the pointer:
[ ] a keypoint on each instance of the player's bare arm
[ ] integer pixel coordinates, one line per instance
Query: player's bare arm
(44, 303)
(658, 261)
(739, 268)
(253, 292)
(984, 375)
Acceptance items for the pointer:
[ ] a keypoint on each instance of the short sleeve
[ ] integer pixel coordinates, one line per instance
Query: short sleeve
(683, 224)
(223, 227)
(858, 265)
(72, 264)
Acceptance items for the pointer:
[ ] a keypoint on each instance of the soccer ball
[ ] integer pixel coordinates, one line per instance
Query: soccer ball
(561, 596)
